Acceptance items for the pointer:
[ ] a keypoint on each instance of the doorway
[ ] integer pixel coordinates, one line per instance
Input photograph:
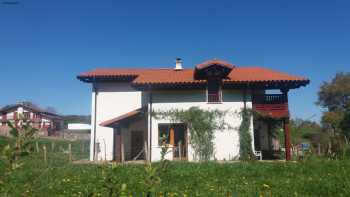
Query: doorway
(176, 137)
(137, 140)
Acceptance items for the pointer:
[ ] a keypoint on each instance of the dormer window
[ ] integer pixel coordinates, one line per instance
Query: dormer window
(213, 71)
(214, 94)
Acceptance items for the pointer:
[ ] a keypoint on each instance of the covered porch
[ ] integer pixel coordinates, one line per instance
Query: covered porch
(130, 135)
(131, 138)
(271, 113)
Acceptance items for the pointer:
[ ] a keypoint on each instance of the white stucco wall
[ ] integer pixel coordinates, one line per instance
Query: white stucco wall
(226, 142)
(115, 99)
(112, 100)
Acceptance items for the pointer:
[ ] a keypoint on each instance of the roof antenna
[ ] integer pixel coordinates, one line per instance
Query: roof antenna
(178, 64)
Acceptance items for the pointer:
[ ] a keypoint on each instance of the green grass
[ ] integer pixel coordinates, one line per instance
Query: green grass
(58, 177)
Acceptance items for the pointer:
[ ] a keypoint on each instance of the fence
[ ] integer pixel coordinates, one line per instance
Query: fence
(67, 150)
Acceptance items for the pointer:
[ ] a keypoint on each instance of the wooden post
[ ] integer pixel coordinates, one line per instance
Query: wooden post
(297, 150)
(45, 153)
(122, 151)
(180, 150)
(82, 147)
(37, 146)
(319, 149)
(70, 152)
(146, 152)
(287, 139)
(117, 145)
(172, 140)
(172, 136)
(52, 146)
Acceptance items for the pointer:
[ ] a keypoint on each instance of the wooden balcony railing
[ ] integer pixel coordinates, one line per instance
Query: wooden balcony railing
(270, 98)
(214, 98)
(274, 105)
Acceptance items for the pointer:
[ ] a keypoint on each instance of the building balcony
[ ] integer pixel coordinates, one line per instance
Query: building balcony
(271, 105)
(214, 97)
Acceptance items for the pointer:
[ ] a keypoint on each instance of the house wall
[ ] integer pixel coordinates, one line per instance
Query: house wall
(226, 142)
(112, 100)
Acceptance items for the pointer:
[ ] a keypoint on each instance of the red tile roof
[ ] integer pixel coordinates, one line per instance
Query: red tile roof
(112, 72)
(167, 76)
(161, 76)
(123, 117)
(215, 62)
(259, 74)
(144, 76)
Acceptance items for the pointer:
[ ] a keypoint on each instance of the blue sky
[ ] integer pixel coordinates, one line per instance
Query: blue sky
(45, 44)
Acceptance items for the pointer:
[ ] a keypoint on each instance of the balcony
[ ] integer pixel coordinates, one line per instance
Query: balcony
(272, 105)
(214, 97)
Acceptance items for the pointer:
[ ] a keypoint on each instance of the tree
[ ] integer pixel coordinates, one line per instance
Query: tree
(345, 123)
(335, 97)
(11, 155)
(332, 119)
(302, 130)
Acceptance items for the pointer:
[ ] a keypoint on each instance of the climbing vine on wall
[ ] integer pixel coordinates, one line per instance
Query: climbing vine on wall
(201, 125)
(245, 138)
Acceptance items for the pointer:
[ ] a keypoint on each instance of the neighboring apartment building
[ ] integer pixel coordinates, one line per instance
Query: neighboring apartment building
(47, 123)
(123, 101)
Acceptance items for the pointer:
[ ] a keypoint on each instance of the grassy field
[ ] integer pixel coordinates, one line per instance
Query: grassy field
(58, 177)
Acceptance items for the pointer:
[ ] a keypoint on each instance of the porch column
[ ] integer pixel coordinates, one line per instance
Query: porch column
(287, 143)
(117, 145)
(287, 139)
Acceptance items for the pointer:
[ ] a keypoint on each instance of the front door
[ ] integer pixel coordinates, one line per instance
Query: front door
(137, 144)
(180, 142)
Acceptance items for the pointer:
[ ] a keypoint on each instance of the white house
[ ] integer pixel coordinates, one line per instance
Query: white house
(122, 122)
(78, 126)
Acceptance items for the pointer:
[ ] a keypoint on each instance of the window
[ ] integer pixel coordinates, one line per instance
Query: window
(174, 133)
(214, 91)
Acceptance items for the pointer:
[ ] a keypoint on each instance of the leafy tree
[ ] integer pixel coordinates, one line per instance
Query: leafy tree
(332, 119)
(345, 123)
(335, 97)
(23, 134)
(303, 130)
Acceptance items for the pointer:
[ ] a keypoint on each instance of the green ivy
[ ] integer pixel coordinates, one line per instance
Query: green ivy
(245, 139)
(201, 124)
